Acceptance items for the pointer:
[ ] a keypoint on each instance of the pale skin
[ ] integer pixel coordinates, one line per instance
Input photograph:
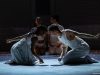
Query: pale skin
(16, 38)
(71, 36)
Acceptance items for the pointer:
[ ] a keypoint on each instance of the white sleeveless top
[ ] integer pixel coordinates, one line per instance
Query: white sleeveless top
(73, 44)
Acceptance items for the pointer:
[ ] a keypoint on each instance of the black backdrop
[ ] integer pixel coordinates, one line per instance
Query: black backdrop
(16, 17)
(15, 13)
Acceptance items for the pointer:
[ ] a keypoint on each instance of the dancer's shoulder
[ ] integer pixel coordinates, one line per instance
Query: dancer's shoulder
(69, 30)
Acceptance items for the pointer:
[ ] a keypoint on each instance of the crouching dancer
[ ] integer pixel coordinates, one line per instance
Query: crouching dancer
(80, 49)
(21, 51)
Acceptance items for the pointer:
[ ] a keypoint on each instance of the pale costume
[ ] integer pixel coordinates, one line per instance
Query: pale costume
(21, 52)
(79, 52)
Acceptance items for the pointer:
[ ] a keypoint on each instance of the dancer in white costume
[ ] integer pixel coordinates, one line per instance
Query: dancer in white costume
(21, 51)
(80, 49)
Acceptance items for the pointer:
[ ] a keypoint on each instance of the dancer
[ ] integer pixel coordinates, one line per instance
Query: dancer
(54, 44)
(40, 45)
(80, 49)
(21, 51)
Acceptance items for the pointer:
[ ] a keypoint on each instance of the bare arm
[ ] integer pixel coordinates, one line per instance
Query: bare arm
(17, 38)
(64, 50)
(83, 35)
(34, 40)
(33, 30)
(37, 56)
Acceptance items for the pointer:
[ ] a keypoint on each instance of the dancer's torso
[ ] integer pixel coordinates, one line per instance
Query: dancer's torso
(75, 43)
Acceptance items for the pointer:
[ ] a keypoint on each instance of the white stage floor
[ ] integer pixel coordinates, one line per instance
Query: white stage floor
(46, 69)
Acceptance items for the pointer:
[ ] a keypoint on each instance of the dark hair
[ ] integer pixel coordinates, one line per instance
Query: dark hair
(54, 28)
(41, 30)
(38, 19)
(56, 17)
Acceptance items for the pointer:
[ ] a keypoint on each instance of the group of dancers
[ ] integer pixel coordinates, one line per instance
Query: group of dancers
(54, 38)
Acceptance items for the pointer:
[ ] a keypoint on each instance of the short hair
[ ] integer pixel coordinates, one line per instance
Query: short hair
(41, 30)
(54, 28)
(56, 17)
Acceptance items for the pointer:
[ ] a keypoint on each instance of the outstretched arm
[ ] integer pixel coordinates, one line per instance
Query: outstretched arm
(17, 38)
(33, 30)
(90, 36)
(83, 35)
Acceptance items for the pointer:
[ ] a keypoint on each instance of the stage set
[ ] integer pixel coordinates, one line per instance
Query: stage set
(49, 26)
(50, 66)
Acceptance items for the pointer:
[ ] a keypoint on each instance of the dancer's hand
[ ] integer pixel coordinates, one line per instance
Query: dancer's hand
(59, 59)
(98, 35)
(41, 61)
(8, 41)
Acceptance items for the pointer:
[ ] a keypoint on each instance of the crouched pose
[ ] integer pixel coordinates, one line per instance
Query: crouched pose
(79, 53)
(21, 51)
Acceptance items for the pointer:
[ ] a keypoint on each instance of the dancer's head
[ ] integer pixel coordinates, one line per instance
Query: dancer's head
(54, 29)
(38, 21)
(41, 30)
(54, 19)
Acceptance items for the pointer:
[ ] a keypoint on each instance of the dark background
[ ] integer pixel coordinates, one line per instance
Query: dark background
(16, 17)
